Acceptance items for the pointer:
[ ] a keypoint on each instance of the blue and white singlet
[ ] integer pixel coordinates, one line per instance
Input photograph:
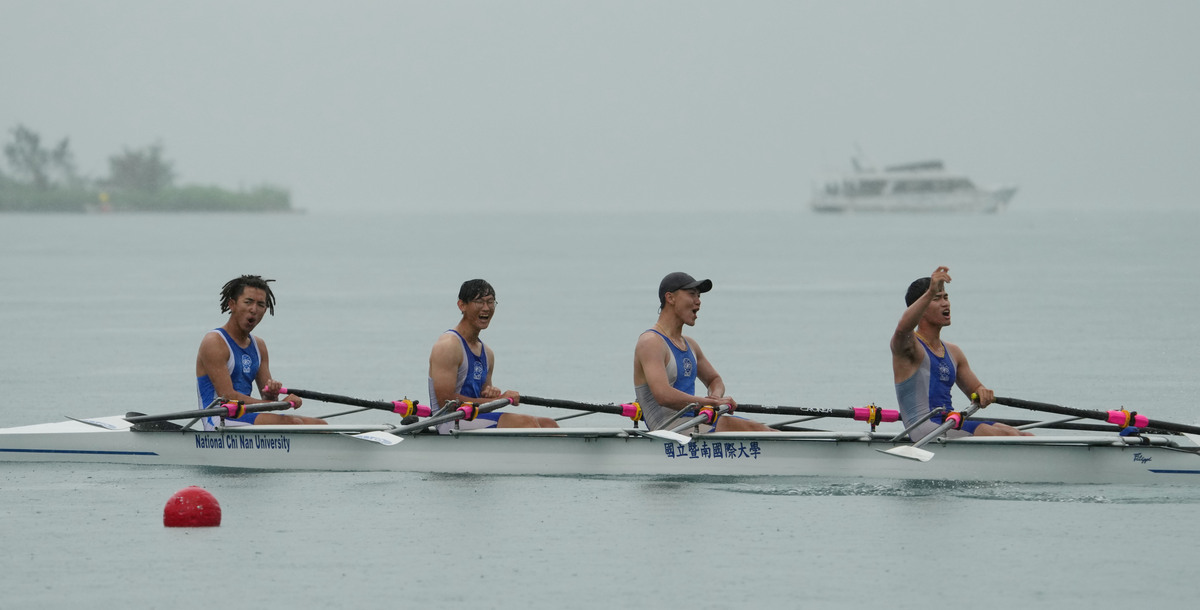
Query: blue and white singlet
(472, 375)
(930, 387)
(243, 366)
(681, 372)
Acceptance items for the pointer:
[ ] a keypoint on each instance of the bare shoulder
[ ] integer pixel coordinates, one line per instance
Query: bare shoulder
(955, 352)
(446, 349)
(212, 343)
(650, 340)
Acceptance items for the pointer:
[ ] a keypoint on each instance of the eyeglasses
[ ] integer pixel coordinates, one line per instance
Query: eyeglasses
(486, 302)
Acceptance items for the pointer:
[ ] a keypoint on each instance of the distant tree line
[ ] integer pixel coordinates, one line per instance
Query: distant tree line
(45, 179)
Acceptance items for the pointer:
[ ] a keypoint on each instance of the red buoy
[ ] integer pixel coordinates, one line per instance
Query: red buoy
(192, 507)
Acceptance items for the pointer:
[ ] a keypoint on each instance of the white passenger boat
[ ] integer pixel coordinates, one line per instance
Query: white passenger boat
(912, 187)
(1060, 457)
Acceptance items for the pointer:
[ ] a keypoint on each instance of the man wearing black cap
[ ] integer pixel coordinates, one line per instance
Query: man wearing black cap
(666, 364)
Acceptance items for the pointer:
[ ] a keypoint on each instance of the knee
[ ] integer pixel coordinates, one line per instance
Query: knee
(546, 422)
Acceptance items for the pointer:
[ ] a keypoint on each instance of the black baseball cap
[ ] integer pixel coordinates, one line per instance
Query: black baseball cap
(680, 281)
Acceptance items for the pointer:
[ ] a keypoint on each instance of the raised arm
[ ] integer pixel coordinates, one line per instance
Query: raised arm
(906, 352)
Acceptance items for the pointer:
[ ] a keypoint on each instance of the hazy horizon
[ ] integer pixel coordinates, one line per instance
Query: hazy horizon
(528, 106)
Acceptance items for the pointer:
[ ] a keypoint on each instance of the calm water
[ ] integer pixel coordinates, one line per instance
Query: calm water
(102, 314)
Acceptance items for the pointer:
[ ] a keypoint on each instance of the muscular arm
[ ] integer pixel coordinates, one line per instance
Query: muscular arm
(708, 375)
(966, 379)
(211, 360)
(650, 368)
(906, 352)
(444, 360)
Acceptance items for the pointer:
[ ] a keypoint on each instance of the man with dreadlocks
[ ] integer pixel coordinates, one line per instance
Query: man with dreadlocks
(231, 360)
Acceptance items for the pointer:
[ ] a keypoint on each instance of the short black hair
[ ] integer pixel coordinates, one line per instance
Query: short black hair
(232, 291)
(919, 287)
(475, 289)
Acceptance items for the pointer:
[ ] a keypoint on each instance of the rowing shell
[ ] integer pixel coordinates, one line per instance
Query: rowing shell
(1090, 458)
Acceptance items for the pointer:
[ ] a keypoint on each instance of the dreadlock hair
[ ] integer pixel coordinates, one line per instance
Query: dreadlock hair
(232, 291)
(475, 289)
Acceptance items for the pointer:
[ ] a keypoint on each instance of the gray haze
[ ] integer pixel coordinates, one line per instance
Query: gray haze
(566, 105)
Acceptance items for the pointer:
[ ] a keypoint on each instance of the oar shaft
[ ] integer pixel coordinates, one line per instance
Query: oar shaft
(403, 407)
(571, 404)
(218, 410)
(858, 413)
(1106, 416)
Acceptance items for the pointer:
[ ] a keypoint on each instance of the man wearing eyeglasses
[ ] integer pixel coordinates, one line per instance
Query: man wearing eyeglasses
(460, 365)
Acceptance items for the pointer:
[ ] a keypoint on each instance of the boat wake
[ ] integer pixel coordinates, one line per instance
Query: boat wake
(977, 490)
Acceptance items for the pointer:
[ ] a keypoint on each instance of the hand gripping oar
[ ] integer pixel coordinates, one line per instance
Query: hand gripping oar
(1121, 418)
(631, 410)
(914, 451)
(404, 407)
(227, 409)
(704, 415)
(466, 411)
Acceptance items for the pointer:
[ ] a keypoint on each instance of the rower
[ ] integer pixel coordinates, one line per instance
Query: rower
(925, 368)
(231, 360)
(666, 364)
(461, 366)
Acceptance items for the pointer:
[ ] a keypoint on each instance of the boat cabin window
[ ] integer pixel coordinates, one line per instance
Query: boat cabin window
(932, 186)
(864, 188)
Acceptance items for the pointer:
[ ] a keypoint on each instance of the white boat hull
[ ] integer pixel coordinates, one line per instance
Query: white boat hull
(982, 201)
(578, 451)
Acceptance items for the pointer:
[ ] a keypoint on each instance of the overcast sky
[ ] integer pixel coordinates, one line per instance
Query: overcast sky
(566, 105)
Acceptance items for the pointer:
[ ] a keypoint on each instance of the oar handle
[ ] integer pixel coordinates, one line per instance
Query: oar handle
(403, 407)
(704, 415)
(467, 411)
(953, 419)
(226, 409)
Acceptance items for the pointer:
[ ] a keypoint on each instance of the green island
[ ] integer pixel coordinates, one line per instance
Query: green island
(41, 179)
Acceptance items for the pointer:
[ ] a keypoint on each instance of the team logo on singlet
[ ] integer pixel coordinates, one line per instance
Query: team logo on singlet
(687, 367)
(944, 372)
(477, 373)
(247, 363)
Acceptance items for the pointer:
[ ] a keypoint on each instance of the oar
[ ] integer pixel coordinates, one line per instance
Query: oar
(631, 410)
(915, 452)
(465, 411)
(228, 409)
(1121, 418)
(1058, 424)
(705, 415)
(870, 414)
(404, 407)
